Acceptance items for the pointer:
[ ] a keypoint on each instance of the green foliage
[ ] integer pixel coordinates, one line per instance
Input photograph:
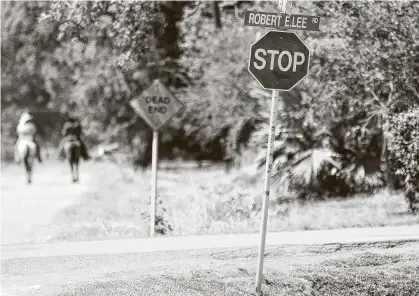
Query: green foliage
(110, 52)
(336, 156)
(64, 55)
(404, 147)
(85, 75)
(221, 113)
(363, 69)
(25, 45)
(381, 45)
(121, 25)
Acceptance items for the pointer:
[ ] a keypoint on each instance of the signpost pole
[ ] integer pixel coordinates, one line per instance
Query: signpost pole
(268, 173)
(156, 106)
(266, 188)
(154, 182)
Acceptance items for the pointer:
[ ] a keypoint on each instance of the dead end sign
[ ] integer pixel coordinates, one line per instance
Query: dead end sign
(156, 105)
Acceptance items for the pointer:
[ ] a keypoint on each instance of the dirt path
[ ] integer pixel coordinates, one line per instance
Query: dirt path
(24, 208)
(113, 203)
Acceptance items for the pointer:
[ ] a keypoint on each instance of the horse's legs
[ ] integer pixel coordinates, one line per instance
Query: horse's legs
(16, 153)
(27, 163)
(77, 163)
(72, 172)
(28, 172)
(76, 170)
(29, 179)
(71, 169)
(72, 155)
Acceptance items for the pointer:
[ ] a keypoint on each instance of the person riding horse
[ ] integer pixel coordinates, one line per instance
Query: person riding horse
(27, 130)
(71, 131)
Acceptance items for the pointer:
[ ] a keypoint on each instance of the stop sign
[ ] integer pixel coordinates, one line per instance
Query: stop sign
(279, 60)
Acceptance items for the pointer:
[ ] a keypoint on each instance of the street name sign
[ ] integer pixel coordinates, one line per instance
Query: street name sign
(282, 21)
(156, 105)
(279, 60)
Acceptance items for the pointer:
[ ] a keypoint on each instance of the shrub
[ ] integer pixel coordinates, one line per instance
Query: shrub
(316, 157)
(403, 140)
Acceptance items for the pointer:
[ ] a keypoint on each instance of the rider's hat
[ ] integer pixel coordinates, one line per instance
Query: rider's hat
(73, 116)
(25, 117)
(72, 113)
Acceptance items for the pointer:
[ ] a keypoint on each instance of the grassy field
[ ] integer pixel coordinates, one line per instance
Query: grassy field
(113, 202)
(371, 269)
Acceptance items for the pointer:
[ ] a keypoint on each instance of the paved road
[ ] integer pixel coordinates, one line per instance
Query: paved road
(138, 268)
(351, 235)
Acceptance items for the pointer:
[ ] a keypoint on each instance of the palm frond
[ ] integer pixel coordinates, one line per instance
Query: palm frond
(359, 175)
(277, 151)
(281, 182)
(356, 174)
(303, 171)
(374, 180)
(306, 167)
(259, 93)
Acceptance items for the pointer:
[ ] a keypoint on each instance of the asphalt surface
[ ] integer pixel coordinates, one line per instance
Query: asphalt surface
(209, 271)
(350, 235)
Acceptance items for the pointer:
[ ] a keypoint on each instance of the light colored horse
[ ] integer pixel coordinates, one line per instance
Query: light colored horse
(25, 153)
(72, 151)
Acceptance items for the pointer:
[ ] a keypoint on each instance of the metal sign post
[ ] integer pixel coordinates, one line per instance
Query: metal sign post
(156, 106)
(154, 159)
(266, 188)
(276, 74)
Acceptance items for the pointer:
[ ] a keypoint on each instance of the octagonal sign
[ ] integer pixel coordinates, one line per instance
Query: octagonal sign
(279, 60)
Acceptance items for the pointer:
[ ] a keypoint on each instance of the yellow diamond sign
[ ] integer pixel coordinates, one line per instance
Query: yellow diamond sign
(156, 105)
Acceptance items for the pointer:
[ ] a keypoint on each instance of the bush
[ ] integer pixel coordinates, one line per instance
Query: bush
(404, 148)
(336, 156)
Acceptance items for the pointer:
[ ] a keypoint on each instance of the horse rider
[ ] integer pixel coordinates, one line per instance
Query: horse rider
(71, 131)
(27, 130)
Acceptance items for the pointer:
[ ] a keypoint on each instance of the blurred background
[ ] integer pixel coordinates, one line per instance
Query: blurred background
(346, 149)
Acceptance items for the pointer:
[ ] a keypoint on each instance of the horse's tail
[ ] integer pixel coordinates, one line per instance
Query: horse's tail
(73, 150)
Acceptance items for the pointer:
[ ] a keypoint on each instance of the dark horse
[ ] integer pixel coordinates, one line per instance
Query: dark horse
(72, 151)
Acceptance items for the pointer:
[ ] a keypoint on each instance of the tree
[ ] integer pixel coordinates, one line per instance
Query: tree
(25, 47)
(109, 53)
(217, 14)
(381, 47)
(221, 113)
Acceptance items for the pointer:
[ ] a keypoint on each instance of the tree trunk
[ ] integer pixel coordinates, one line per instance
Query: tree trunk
(385, 157)
(217, 14)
